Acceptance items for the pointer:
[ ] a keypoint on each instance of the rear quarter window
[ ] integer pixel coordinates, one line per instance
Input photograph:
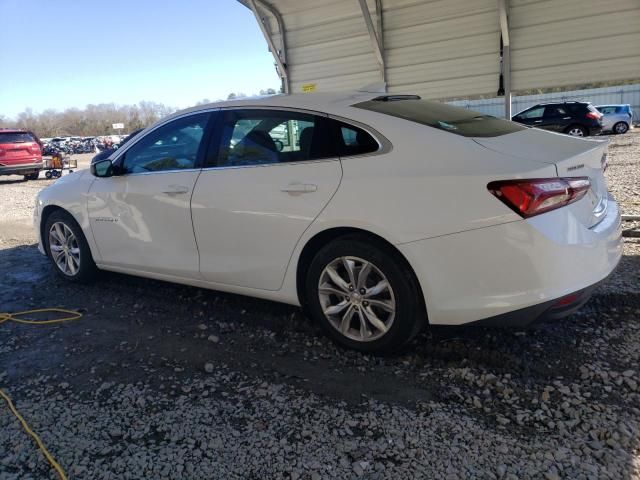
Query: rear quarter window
(456, 120)
(16, 137)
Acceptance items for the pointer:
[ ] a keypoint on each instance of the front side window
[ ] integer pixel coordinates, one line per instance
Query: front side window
(173, 146)
(533, 113)
(259, 137)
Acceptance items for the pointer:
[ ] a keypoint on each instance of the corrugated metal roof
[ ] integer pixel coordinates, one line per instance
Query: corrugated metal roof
(450, 48)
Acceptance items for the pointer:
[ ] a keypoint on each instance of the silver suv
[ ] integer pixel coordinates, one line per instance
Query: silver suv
(616, 118)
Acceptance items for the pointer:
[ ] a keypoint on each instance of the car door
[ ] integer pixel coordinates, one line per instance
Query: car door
(274, 171)
(555, 118)
(141, 217)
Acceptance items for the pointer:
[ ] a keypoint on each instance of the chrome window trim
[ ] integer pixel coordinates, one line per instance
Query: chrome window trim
(279, 164)
(177, 170)
(384, 145)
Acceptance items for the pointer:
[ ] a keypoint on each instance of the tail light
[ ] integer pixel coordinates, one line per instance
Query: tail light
(35, 149)
(593, 115)
(539, 195)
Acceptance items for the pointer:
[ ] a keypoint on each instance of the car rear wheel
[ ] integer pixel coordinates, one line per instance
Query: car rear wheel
(67, 248)
(576, 131)
(620, 128)
(32, 176)
(364, 296)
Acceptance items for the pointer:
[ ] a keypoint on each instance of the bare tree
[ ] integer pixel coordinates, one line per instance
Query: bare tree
(92, 120)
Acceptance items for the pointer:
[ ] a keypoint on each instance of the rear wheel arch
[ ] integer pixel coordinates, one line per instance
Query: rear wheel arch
(584, 129)
(319, 240)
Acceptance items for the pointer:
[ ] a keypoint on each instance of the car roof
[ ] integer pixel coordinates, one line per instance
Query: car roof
(325, 101)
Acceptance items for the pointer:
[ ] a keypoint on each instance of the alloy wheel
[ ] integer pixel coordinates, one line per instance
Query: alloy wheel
(576, 132)
(357, 298)
(64, 248)
(621, 127)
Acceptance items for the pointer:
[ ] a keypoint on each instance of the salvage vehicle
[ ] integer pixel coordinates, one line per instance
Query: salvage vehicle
(383, 214)
(20, 153)
(578, 119)
(616, 118)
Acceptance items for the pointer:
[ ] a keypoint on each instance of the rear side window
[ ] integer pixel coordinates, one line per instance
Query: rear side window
(259, 137)
(17, 137)
(459, 121)
(355, 141)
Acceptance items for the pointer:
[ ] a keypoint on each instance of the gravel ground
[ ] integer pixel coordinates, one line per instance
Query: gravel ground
(167, 381)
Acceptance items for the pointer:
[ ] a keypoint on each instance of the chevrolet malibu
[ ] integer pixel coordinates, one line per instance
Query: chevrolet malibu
(377, 214)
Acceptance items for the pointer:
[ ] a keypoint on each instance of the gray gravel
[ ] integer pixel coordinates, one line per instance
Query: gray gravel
(165, 381)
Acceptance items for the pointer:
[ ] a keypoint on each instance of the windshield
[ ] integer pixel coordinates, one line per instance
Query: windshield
(460, 121)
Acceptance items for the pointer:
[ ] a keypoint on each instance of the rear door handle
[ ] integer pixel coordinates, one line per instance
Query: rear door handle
(299, 188)
(175, 189)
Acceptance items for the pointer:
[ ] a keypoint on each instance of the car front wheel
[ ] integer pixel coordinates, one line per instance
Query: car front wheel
(67, 248)
(364, 296)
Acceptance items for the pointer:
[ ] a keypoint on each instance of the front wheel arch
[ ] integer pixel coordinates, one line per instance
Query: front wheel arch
(321, 239)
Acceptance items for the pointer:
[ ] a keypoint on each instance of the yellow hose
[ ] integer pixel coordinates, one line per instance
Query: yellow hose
(16, 317)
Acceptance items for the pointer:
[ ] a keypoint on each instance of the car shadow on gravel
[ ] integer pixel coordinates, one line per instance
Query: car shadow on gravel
(129, 319)
(164, 335)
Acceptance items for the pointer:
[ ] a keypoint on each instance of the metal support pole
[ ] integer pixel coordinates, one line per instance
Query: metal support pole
(376, 41)
(279, 56)
(503, 13)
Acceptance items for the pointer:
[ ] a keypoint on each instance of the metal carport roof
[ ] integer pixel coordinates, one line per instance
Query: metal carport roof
(444, 49)
(450, 48)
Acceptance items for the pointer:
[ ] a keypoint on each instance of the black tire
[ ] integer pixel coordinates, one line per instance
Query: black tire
(576, 127)
(87, 271)
(620, 128)
(410, 314)
(32, 176)
(47, 174)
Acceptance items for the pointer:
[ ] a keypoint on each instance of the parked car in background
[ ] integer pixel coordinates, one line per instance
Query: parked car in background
(491, 223)
(106, 153)
(20, 153)
(616, 118)
(578, 119)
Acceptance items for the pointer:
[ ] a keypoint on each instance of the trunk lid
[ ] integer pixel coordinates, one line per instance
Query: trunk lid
(572, 157)
(17, 148)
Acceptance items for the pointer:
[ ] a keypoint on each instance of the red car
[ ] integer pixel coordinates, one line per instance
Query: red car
(20, 153)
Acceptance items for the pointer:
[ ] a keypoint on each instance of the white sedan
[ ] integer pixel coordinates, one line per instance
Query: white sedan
(377, 214)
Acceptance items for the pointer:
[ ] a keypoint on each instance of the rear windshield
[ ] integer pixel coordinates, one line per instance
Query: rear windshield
(442, 116)
(19, 137)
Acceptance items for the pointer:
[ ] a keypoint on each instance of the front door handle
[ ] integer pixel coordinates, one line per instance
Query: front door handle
(299, 188)
(175, 189)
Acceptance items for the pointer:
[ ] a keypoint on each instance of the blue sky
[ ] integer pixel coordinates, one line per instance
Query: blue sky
(65, 53)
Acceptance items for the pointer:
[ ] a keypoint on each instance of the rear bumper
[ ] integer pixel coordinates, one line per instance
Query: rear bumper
(543, 312)
(20, 169)
(516, 272)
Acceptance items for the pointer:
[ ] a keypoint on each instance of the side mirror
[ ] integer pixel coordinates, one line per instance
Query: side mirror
(103, 168)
